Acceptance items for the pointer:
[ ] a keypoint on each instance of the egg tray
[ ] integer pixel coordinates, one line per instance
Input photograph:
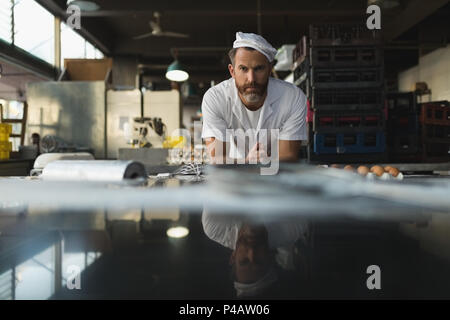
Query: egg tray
(372, 176)
(384, 176)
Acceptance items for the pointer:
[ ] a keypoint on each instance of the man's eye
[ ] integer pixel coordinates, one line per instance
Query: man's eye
(244, 68)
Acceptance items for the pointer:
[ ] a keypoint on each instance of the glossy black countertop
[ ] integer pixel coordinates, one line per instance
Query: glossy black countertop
(126, 253)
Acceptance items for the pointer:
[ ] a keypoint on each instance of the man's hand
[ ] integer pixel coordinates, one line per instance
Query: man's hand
(257, 154)
(288, 152)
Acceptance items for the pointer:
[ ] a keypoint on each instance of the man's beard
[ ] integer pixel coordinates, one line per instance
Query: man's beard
(255, 95)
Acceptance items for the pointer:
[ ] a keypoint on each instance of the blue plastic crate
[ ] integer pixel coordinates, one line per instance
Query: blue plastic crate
(345, 143)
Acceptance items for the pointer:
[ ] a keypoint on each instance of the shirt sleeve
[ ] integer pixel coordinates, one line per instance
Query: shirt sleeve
(214, 124)
(295, 126)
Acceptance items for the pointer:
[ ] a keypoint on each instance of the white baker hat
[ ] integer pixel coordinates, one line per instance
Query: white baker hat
(256, 42)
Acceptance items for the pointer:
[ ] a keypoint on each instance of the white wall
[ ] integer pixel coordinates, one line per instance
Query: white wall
(164, 105)
(434, 69)
(122, 107)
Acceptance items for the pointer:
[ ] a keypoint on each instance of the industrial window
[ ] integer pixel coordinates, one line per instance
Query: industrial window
(6, 20)
(74, 46)
(12, 109)
(34, 29)
(28, 25)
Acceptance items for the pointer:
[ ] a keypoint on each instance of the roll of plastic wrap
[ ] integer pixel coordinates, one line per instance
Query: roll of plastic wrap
(45, 158)
(93, 170)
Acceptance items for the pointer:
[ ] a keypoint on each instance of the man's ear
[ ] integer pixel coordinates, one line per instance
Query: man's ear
(232, 257)
(271, 65)
(231, 69)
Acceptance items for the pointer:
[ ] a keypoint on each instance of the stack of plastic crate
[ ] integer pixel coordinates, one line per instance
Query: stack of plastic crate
(417, 132)
(434, 130)
(340, 68)
(403, 138)
(5, 144)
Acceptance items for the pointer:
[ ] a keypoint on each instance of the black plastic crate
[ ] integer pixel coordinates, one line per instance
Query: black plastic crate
(401, 144)
(347, 99)
(436, 152)
(401, 103)
(402, 124)
(405, 158)
(347, 77)
(430, 144)
(344, 34)
(346, 158)
(435, 133)
(333, 57)
(348, 121)
(349, 143)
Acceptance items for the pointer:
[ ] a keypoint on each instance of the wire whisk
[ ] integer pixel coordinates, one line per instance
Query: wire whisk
(190, 169)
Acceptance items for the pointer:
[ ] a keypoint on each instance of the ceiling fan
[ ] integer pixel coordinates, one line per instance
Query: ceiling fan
(157, 31)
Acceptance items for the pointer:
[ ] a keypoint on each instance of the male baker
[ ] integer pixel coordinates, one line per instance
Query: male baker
(253, 103)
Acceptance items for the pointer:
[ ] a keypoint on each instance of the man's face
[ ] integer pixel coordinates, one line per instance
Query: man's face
(251, 72)
(252, 257)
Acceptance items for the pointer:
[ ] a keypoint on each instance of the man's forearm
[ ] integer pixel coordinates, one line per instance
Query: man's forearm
(289, 157)
(289, 150)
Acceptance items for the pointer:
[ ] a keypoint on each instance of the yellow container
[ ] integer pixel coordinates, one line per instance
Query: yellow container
(4, 137)
(5, 131)
(5, 149)
(5, 146)
(4, 155)
(174, 142)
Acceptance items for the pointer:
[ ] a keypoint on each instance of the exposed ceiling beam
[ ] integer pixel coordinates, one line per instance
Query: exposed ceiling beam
(227, 13)
(164, 5)
(416, 11)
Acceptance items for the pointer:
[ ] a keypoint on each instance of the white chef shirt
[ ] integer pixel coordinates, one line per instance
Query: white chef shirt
(282, 231)
(284, 108)
(253, 116)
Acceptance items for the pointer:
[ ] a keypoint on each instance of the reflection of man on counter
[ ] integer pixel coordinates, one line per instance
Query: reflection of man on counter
(260, 248)
(256, 103)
